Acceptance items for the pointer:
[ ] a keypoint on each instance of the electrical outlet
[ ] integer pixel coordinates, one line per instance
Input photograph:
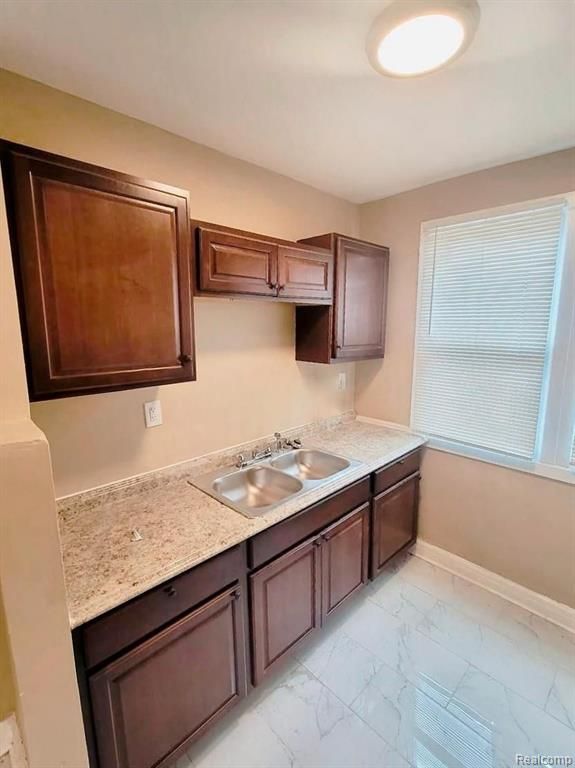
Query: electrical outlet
(153, 413)
(341, 381)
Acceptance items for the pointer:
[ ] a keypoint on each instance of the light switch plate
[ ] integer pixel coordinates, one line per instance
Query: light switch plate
(341, 381)
(153, 413)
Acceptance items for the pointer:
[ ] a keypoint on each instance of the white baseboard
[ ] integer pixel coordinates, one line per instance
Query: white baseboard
(11, 747)
(543, 606)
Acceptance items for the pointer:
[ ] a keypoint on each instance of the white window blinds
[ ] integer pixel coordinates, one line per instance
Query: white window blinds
(485, 297)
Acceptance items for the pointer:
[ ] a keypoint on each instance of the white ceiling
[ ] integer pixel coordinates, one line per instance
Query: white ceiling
(286, 83)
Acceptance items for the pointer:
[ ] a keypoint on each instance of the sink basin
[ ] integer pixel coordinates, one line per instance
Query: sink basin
(310, 464)
(256, 487)
(255, 490)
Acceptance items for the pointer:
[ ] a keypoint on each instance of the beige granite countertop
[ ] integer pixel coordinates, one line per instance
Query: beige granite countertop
(180, 525)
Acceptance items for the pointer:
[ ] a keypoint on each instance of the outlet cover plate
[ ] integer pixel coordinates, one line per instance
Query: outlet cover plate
(153, 413)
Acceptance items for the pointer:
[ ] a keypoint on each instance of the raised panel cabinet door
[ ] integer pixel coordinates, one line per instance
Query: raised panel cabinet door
(153, 701)
(236, 265)
(344, 553)
(394, 521)
(305, 274)
(361, 297)
(104, 276)
(285, 601)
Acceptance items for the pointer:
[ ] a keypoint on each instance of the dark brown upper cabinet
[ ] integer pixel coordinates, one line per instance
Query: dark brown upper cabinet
(103, 272)
(304, 273)
(354, 328)
(232, 262)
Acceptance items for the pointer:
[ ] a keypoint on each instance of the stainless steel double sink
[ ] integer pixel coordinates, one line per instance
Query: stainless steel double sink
(257, 489)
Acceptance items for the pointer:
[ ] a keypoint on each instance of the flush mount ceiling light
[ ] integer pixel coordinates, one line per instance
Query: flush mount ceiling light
(413, 37)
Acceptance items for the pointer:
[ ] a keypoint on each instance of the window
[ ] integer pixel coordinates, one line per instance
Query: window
(494, 372)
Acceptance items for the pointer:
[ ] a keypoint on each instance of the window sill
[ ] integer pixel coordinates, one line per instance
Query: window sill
(551, 472)
(561, 474)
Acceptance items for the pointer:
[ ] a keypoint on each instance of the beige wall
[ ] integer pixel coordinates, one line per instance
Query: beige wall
(515, 524)
(245, 349)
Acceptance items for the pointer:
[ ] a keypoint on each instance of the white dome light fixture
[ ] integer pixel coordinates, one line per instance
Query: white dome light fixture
(414, 37)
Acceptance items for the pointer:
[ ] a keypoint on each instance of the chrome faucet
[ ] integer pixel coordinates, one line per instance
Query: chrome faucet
(264, 453)
(281, 444)
(284, 442)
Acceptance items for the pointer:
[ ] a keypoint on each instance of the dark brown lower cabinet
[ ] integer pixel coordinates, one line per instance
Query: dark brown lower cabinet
(286, 604)
(150, 703)
(158, 671)
(344, 555)
(394, 523)
(294, 593)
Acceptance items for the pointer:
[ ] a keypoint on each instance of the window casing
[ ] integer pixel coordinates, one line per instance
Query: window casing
(494, 366)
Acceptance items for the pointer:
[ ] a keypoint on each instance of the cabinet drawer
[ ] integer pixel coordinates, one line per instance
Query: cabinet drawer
(274, 541)
(154, 700)
(387, 476)
(109, 634)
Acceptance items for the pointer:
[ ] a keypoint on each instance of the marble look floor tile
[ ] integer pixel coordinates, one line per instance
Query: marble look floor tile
(345, 612)
(419, 728)
(401, 647)
(248, 742)
(371, 626)
(319, 730)
(561, 701)
(435, 581)
(352, 744)
(494, 654)
(400, 598)
(512, 724)
(301, 710)
(477, 603)
(341, 664)
(474, 601)
(420, 660)
(536, 635)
